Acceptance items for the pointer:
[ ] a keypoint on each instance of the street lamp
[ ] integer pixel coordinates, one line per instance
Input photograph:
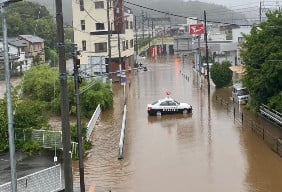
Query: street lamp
(3, 3)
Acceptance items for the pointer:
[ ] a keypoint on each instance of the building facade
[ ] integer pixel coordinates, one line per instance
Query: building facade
(34, 46)
(103, 32)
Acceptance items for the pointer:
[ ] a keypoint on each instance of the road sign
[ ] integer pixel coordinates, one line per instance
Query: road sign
(123, 79)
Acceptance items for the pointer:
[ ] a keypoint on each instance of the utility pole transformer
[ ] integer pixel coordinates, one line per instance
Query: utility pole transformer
(64, 100)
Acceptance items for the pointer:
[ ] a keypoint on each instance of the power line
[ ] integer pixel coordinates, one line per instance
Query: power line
(181, 16)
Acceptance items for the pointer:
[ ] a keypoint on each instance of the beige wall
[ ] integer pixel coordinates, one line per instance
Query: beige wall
(91, 17)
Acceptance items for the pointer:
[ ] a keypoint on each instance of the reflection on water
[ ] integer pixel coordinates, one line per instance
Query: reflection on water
(203, 151)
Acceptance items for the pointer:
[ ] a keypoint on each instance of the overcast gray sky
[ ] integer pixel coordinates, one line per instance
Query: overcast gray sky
(233, 3)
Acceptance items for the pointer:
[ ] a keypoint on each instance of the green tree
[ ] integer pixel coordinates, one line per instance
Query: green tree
(30, 114)
(41, 83)
(3, 126)
(31, 18)
(262, 56)
(221, 74)
(99, 93)
(52, 56)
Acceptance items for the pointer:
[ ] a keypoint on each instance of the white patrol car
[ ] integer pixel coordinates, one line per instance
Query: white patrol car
(168, 106)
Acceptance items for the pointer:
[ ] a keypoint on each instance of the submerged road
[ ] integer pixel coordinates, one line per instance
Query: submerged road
(205, 151)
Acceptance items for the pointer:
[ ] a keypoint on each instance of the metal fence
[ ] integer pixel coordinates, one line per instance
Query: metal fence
(48, 139)
(47, 180)
(273, 141)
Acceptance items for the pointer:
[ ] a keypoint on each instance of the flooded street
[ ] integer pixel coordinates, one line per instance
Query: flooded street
(205, 151)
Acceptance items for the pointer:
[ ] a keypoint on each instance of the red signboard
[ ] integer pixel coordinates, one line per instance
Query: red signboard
(196, 29)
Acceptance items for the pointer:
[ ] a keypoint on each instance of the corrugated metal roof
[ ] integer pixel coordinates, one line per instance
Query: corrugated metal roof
(17, 42)
(32, 38)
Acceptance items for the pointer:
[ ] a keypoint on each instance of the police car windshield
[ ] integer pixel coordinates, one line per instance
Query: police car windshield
(243, 92)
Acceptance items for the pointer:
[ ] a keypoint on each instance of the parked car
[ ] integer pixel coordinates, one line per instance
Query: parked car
(168, 106)
(240, 94)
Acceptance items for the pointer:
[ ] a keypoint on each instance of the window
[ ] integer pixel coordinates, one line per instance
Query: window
(126, 44)
(99, 5)
(165, 103)
(82, 23)
(126, 24)
(83, 45)
(123, 45)
(131, 25)
(131, 43)
(241, 39)
(81, 5)
(100, 47)
(100, 26)
(171, 103)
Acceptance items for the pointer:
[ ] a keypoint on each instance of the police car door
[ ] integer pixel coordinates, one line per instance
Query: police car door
(172, 107)
(164, 107)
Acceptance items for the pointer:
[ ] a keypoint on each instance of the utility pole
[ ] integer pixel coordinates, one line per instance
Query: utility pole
(207, 53)
(149, 34)
(260, 10)
(109, 39)
(143, 24)
(64, 100)
(136, 38)
(152, 28)
(148, 19)
(119, 53)
(77, 79)
(11, 131)
(199, 54)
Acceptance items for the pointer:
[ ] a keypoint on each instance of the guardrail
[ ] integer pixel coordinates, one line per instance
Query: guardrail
(271, 115)
(122, 134)
(93, 121)
(273, 141)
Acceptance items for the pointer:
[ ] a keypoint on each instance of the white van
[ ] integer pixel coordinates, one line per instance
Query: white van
(240, 94)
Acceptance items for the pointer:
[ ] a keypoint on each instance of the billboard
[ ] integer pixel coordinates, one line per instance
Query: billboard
(196, 29)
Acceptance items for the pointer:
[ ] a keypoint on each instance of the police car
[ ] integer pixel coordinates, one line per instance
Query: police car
(168, 106)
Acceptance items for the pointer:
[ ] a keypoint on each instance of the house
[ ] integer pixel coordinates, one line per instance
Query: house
(238, 38)
(102, 50)
(34, 46)
(17, 55)
(17, 47)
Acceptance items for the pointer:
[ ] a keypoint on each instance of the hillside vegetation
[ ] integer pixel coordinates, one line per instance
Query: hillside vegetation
(179, 7)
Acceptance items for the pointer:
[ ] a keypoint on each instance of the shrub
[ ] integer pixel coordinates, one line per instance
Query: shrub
(221, 74)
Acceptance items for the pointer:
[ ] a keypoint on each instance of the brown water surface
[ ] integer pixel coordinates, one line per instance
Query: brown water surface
(205, 151)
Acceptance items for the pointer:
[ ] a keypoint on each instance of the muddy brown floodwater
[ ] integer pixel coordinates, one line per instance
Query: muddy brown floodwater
(205, 151)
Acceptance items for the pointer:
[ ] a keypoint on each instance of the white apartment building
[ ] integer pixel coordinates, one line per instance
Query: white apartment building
(90, 25)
